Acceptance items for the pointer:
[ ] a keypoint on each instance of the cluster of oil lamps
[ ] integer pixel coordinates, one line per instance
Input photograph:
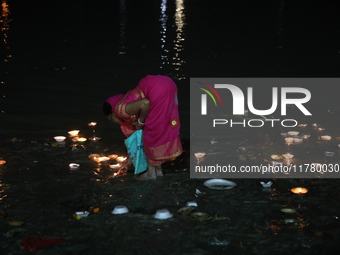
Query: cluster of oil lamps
(102, 160)
(74, 134)
(294, 137)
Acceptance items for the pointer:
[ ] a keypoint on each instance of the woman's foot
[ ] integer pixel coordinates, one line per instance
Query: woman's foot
(159, 172)
(149, 175)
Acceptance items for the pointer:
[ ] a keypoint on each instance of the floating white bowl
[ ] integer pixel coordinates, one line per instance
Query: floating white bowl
(192, 203)
(219, 184)
(162, 214)
(120, 209)
(59, 138)
(288, 210)
(329, 153)
(266, 184)
(83, 214)
(74, 166)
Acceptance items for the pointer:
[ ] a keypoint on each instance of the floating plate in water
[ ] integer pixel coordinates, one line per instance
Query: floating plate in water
(219, 184)
(200, 216)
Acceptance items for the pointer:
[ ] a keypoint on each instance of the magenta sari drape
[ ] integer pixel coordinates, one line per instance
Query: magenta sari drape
(161, 130)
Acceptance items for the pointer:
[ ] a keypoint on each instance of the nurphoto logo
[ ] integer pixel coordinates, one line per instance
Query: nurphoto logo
(238, 104)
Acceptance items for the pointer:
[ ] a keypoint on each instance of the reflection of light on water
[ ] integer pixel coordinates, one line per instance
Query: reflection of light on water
(5, 55)
(274, 226)
(177, 60)
(178, 46)
(163, 19)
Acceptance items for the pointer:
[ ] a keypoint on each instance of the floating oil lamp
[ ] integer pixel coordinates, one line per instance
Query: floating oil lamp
(199, 156)
(81, 139)
(93, 156)
(102, 159)
(321, 129)
(302, 125)
(92, 124)
(299, 190)
(274, 156)
(121, 159)
(59, 138)
(113, 156)
(315, 125)
(74, 166)
(288, 156)
(298, 140)
(293, 133)
(305, 136)
(2, 162)
(94, 138)
(115, 166)
(289, 139)
(325, 137)
(73, 132)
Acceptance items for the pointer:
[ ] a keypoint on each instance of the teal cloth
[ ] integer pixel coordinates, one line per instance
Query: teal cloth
(135, 149)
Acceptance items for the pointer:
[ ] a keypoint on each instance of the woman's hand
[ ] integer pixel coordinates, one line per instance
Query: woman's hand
(114, 118)
(138, 127)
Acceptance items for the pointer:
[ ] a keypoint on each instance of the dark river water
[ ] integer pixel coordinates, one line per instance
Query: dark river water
(61, 59)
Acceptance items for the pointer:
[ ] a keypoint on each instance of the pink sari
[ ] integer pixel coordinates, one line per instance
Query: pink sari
(161, 130)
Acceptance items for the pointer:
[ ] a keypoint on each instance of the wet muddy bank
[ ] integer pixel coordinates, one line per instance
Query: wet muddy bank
(39, 189)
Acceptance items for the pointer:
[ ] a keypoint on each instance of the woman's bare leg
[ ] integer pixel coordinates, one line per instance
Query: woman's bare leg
(159, 172)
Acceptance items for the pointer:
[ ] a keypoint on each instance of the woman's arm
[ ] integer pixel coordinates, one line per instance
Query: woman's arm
(139, 107)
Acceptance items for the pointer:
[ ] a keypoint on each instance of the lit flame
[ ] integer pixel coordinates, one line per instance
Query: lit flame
(299, 190)
(81, 139)
(73, 132)
(92, 124)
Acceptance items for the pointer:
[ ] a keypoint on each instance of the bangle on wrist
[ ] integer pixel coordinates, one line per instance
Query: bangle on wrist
(140, 123)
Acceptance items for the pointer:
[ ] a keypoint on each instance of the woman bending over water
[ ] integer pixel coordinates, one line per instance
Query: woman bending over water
(153, 107)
